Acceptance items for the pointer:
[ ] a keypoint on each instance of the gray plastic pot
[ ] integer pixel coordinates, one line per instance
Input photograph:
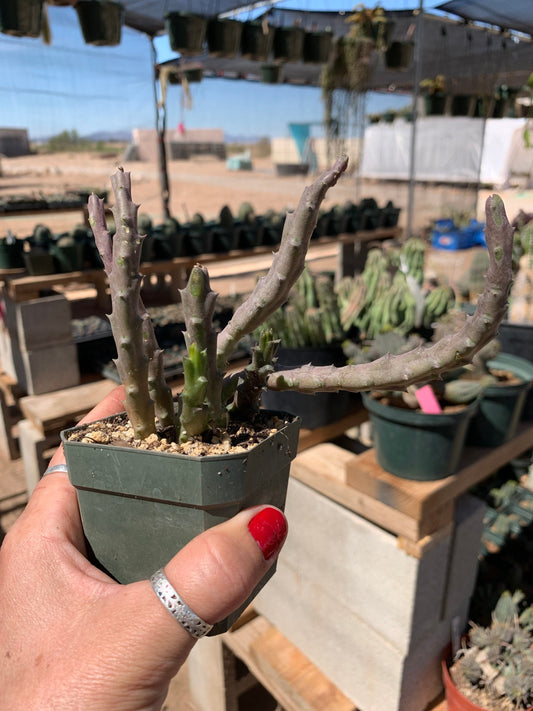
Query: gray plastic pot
(138, 507)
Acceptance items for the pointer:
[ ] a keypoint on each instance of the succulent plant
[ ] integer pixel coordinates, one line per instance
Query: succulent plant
(311, 316)
(209, 398)
(499, 659)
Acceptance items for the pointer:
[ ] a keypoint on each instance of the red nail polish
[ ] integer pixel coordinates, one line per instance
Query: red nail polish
(269, 530)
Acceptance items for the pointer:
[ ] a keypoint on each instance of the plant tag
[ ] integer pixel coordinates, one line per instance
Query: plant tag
(427, 400)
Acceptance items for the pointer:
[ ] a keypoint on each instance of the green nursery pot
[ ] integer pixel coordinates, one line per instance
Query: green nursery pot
(417, 445)
(139, 508)
(501, 406)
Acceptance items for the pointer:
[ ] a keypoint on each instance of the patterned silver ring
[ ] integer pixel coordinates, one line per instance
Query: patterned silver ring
(56, 468)
(181, 612)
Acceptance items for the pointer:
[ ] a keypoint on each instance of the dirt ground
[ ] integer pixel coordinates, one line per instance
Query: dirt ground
(204, 184)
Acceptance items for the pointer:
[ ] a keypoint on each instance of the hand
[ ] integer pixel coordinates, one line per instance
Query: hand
(72, 638)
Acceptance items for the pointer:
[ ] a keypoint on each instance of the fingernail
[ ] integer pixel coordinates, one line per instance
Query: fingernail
(269, 530)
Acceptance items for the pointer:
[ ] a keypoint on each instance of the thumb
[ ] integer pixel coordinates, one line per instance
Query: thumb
(214, 575)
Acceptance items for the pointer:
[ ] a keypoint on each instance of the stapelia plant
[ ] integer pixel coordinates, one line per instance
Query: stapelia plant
(209, 398)
(497, 661)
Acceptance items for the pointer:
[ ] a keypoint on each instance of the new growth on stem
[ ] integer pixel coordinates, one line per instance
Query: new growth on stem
(209, 398)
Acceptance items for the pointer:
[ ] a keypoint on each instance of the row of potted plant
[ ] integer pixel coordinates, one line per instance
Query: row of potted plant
(40, 201)
(46, 253)
(438, 100)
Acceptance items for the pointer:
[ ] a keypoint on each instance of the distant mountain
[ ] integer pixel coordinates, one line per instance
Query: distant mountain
(121, 136)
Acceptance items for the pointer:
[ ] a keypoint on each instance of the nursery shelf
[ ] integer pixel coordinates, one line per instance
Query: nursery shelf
(412, 510)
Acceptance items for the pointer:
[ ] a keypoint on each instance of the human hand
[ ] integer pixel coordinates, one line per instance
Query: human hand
(72, 638)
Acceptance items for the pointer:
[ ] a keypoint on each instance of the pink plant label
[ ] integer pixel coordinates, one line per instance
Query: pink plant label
(427, 400)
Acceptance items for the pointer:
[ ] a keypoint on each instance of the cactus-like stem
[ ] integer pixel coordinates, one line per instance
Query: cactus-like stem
(160, 393)
(121, 259)
(199, 307)
(194, 417)
(422, 364)
(272, 291)
(253, 378)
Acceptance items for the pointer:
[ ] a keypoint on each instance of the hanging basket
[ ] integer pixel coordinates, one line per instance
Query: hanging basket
(399, 55)
(256, 41)
(186, 32)
(461, 104)
(317, 46)
(21, 18)
(223, 37)
(435, 104)
(100, 21)
(288, 44)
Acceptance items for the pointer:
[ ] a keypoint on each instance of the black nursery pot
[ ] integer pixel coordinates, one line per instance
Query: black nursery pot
(21, 18)
(100, 21)
(314, 410)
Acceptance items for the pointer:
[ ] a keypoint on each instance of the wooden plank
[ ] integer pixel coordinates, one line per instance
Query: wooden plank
(309, 438)
(323, 468)
(420, 499)
(59, 409)
(296, 683)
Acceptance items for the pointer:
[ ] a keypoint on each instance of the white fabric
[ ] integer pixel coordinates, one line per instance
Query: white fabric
(447, 149)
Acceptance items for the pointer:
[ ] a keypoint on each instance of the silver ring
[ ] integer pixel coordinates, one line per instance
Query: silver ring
(56, 468)
(181, 612)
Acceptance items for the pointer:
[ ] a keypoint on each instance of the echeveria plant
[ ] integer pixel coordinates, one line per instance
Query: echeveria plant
(209, 397)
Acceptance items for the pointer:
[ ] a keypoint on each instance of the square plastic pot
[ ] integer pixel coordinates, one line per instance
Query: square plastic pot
(139, 507)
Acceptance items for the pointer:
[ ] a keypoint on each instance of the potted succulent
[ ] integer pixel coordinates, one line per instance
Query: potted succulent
(137, 503)
(256, 40)
(310, 330)
(493, 669)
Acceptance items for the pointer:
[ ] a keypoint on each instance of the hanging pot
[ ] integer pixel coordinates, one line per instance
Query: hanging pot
(270, 73)
(288, 44)
(21, 18)
(194, 75)
(461, 104)
(435, 104)
(399, 55)
(223, 37)
(140, 507)
(256, 41)
(317, 47)
(186, 32)
(100, 21)
(417, 445)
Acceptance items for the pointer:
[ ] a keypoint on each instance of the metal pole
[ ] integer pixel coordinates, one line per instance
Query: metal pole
(416, 94)
(160, 128)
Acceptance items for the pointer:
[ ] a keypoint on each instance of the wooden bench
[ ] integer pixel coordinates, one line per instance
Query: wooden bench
(46, 415)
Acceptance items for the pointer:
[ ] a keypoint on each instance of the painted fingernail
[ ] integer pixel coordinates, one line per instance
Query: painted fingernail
(269, 530)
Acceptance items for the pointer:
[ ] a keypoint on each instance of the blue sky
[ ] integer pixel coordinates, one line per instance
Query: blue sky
(71, 85)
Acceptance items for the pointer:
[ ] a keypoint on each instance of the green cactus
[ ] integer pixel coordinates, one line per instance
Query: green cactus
(42, 236)
(497, 660)
(246, 212)
(226, 217)
(209, 397)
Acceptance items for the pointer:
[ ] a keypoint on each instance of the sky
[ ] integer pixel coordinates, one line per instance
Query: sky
(73, 86)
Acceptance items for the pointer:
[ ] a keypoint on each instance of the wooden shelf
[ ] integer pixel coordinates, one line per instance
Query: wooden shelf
(410, 509)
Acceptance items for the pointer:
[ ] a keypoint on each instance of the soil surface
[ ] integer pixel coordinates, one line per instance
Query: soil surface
(238, 437)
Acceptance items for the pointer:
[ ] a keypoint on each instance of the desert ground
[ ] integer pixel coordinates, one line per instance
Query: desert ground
(205, 185)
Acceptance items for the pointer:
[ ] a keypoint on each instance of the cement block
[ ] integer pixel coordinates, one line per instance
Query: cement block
(49, 369)
(372, 618)
(354, 560)
(468, 528)
(42, 322)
